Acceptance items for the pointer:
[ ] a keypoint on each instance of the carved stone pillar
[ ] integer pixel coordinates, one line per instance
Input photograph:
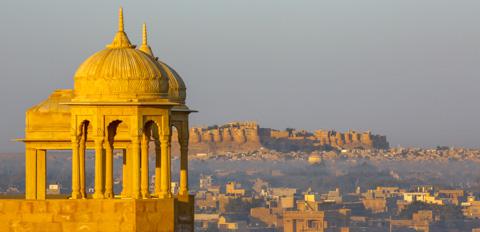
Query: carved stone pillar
(81, 154)
(184, 169)
(99, 169)
(183, 141)
(135, 167)
(75, 169)
(126, 178)
(169, 166)
(108, 169)
(30, 174)
(41, 174)
(144, 167)
(165, 190)
(158, 169)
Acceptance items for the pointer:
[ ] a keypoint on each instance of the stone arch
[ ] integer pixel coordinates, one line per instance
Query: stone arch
(176, 131)
(113, 145)
(150, 125)
(117, 126)
(111, 132)
(151, 136)
(83, 128)
(181, 126)
(152, 132)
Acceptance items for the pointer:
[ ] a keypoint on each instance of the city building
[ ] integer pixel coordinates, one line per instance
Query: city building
(206, 222)
(227, 223)
(420, 221)
(304, 221)
(53, 189)
(471, 208)
(206, 181)
(426, 197)
(270, 217)
(234, 188)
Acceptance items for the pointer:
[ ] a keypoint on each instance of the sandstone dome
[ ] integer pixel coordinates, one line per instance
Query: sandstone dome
(121, 73)
(177, 89)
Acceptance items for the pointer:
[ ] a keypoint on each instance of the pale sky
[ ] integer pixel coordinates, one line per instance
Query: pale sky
(408, 69)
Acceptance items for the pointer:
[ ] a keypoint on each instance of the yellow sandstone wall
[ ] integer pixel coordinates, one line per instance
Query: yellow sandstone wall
(96, 215)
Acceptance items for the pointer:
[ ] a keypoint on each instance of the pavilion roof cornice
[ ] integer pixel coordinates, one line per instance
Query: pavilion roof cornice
(120, 103)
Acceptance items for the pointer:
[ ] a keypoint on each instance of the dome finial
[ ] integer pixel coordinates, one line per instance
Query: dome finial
(144, 47)
(120, 40)
(144, 34)
(120, 19)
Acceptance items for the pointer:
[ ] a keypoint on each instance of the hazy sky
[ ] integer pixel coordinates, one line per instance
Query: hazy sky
(408, 69)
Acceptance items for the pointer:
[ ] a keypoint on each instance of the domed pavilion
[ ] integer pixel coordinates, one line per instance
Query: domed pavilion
(124, 100)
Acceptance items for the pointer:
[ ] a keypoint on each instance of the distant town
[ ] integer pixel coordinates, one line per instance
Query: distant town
(248, 178)
(438, 154)
(233, 207)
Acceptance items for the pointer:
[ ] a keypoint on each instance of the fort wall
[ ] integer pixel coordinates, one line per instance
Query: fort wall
(249, 136)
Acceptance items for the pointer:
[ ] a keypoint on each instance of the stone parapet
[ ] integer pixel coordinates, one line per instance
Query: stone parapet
(97, 215)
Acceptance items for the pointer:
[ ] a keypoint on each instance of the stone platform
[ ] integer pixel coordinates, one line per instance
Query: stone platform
(173, 214)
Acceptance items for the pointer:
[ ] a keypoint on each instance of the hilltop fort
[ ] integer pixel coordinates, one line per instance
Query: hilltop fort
(248, 136)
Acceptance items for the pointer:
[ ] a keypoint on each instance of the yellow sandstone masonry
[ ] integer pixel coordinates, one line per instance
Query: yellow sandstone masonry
(124, 100)
(96, 215)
